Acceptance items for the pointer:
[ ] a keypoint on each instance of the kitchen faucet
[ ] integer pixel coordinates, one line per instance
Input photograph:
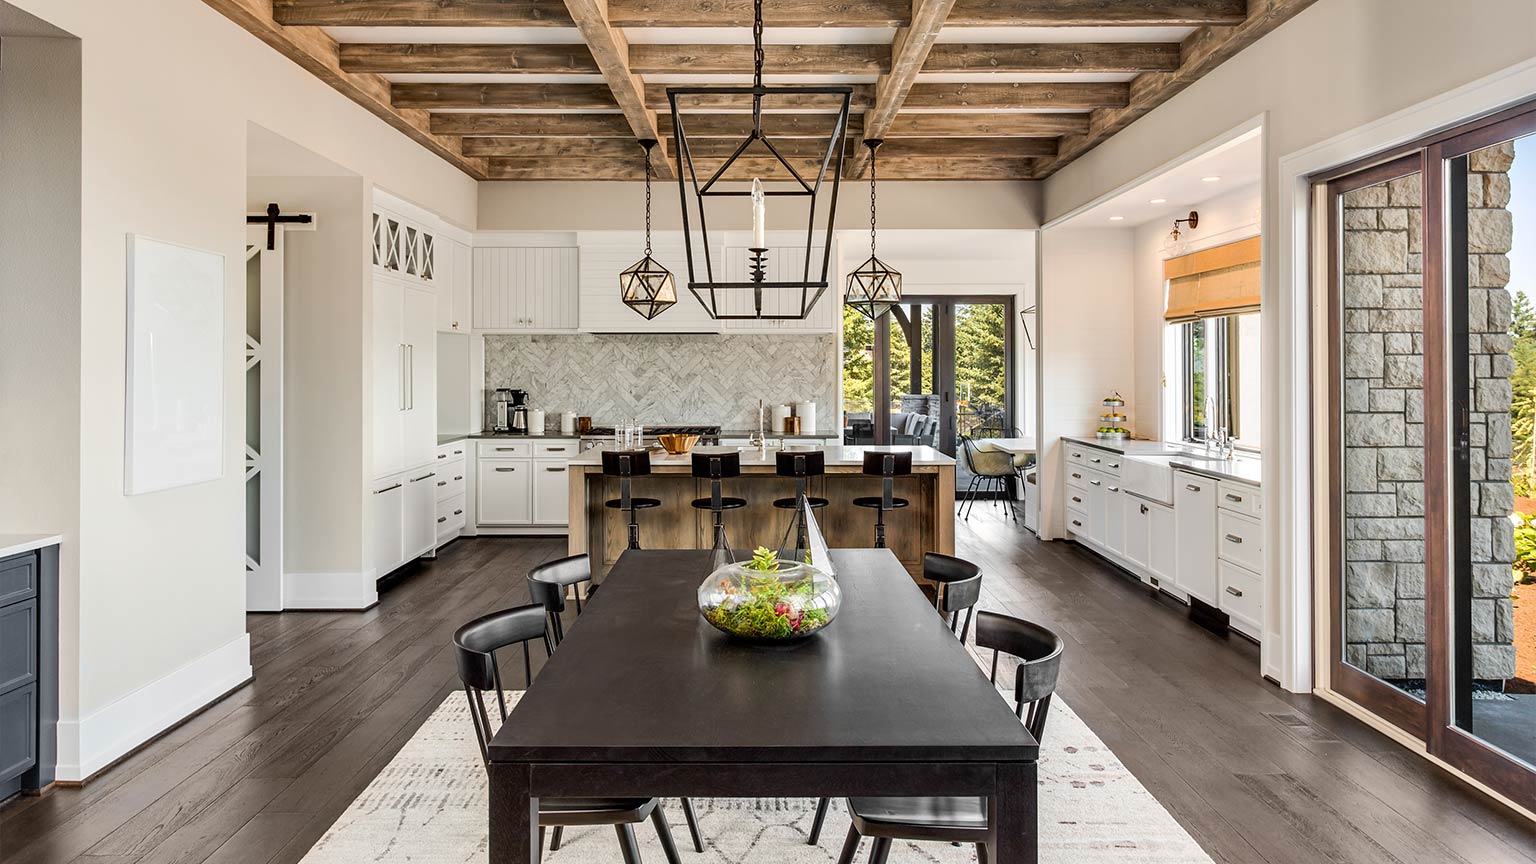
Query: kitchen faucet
(1219, 435)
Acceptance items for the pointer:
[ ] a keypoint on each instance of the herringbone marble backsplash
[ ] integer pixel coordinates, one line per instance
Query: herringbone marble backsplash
(674, 378)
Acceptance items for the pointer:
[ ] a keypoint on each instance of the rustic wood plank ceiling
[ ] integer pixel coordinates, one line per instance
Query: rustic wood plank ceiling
(562, 89)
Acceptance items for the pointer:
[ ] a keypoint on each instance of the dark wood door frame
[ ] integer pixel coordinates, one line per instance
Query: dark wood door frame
(1441, 159)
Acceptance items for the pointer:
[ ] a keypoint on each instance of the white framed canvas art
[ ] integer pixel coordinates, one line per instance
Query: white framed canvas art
(174, 428)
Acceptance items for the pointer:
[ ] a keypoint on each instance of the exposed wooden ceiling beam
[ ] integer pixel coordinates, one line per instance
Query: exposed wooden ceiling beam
(991, 148)
(529, 148)
(1202, 51)
(909, 51)
(656, 94)
(315, 50)
(1096, 13)
(421, 13)
(542, 125)
(997, 97)
(978, 125)
(550, 97)
(1050, 57)
(610, 49)
(792, 148)
(738, 125)
(453, 58)
(777, 59)
(905, 168)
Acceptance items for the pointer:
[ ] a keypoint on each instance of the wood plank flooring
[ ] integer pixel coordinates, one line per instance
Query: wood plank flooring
(1255, 774)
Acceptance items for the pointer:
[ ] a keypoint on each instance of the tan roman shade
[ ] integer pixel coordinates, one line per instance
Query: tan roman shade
(1217, 281)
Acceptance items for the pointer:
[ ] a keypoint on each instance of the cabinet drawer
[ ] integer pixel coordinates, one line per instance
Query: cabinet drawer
(450, 514)
(1240, 540)
(18, 644)
(18, 578)
(449, 480)
(504, 449)
(1077, 498)
(1242, 597)
(563, 449)
(1102, 461)
(18, 731)
(1077, 478)
(453, 450)
(1239, 498)
(1077, 522)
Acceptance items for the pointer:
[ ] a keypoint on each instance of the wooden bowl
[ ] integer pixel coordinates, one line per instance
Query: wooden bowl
(677, 444)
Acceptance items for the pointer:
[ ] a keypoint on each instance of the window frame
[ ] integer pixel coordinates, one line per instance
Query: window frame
(1223, 388)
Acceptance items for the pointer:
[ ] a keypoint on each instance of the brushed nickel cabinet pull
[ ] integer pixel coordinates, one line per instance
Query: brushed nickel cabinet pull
(1077, 476)
(1094, 482)
(1114, 488)
(1233, 538)
(1077, 499)
(458, 512)
(458, 477)
(1234, 592)
(386, 489)
(1095, 460)
(556, 470)
(442, 455)
(1114, 464)
(1237, 498)
(1191, 487)
(423, 477)
(1143, 509)
(442, 482)
(506, 449)
(555, 449)
(442, 519)
(1077, 523)
(505, 470)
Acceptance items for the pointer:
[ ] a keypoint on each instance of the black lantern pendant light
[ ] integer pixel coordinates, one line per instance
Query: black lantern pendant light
(647, 287)
(794, 294)
(874, 287)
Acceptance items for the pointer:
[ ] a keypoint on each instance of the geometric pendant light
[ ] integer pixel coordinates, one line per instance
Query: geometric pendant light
(874, 287)
(646, 286)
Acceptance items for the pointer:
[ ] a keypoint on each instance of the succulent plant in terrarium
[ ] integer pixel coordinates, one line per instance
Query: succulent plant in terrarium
(768, 598)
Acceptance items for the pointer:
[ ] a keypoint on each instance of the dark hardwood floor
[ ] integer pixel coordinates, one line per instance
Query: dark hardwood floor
(1255, 774)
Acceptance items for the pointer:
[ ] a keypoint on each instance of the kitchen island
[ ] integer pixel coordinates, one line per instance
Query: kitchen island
(927, 525)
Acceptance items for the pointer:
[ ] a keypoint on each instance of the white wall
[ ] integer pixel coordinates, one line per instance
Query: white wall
(40, 303)
(325, 373)
(619, 206)
(168, 90)
(1086, 344)
(1227, 219)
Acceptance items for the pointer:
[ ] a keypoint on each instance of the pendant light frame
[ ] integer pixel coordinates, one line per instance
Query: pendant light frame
(730, 300)
(646, 286)
(873, 288)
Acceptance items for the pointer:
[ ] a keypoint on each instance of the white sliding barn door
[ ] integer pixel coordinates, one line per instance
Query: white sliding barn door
(263, 420)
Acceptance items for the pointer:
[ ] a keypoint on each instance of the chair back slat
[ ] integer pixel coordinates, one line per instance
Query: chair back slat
(547, 583)
(1039, 652)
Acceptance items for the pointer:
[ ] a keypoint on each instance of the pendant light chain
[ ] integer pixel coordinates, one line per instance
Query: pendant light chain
(647, 202)
(872, 149)
(757, 42)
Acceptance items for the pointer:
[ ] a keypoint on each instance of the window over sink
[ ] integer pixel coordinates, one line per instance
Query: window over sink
(1217, 376)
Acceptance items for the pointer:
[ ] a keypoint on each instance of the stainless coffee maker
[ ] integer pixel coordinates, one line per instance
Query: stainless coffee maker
(517, 414)
(503, 410)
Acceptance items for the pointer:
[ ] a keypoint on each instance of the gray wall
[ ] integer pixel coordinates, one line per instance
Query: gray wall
(674, 378)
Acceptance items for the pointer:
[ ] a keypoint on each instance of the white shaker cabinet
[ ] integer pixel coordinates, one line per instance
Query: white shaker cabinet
(420, 513)
(551, 492)
(404, 376)
(1194, 501)
(1149, 542)
(505, 491)
(387, 506)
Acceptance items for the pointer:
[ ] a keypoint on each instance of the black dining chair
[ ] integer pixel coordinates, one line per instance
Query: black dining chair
(476, 644)
(547, 584)
(964, 819)
(958, 589)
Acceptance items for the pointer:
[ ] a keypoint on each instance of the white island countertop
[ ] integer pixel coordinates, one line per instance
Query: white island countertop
(15, 544)
(837, 456)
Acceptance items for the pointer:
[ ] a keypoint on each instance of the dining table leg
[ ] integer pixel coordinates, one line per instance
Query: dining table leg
(1016, 808)
(514, 815)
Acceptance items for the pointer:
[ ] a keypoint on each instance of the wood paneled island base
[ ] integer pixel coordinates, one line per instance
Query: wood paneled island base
(927, 525)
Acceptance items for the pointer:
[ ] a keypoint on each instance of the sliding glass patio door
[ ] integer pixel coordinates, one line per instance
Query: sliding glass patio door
(1432, 331)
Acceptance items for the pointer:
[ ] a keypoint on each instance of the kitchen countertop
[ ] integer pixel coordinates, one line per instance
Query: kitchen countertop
(1241, 468)
(520, 435)
(449, 439)
(748, 433)
(15, 544)
(837, 456)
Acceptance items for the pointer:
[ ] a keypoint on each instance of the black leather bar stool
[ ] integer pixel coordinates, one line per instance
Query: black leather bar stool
(627, 464)
(887, 465)
(715, 467)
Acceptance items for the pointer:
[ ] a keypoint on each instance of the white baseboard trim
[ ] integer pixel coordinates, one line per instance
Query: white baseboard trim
(92, 743)
(330, 590)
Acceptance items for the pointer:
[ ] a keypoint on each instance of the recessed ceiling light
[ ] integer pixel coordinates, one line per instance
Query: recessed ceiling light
(1117, 218)
(1211, 179)
(1158, 201)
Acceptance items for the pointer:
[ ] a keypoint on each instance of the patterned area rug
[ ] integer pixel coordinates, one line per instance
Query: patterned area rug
(428, 807)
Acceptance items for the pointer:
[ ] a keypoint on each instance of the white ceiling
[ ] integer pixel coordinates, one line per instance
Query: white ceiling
(1238, 163)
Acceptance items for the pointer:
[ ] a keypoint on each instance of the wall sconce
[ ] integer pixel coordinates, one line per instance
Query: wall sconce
(1193, 221)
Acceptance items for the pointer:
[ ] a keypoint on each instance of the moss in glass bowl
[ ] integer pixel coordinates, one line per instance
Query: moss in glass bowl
(769, 600)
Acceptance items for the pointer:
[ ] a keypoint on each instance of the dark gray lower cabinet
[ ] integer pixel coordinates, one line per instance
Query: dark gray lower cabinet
(29, 670)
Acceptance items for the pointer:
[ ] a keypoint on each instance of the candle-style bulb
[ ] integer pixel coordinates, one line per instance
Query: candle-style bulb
(759, 216)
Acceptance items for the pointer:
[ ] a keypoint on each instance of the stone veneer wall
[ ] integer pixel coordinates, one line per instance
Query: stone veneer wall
(1384, 423)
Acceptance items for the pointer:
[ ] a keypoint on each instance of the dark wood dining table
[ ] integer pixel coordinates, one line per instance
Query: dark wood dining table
(645, 698)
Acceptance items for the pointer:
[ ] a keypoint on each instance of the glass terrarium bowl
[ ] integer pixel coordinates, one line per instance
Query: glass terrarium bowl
(788, 602)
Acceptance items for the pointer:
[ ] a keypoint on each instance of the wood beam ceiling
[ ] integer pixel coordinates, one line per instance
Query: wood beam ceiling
(1201, 51)
(315, 50)
(926, 168)
(947, 128)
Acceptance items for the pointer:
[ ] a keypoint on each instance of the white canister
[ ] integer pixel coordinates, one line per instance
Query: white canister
(568, 423)
(780, 414)
(536, 421)
(806, 411)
